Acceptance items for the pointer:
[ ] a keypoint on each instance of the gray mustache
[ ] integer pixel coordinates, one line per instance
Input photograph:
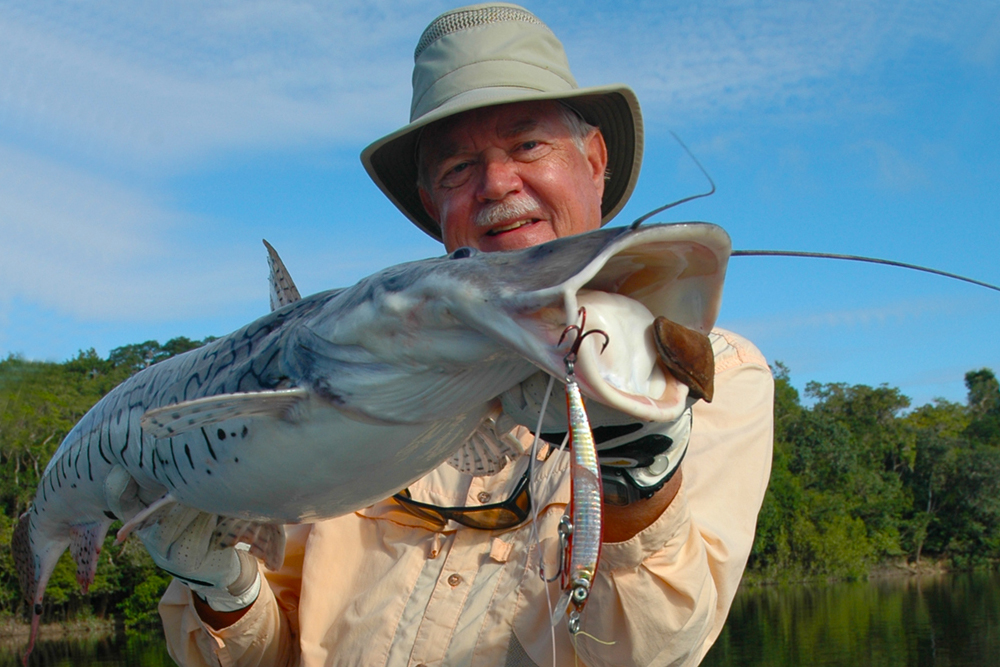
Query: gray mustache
(506, 209)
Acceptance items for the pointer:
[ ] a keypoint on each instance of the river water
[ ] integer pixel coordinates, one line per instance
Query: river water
(943, 620)
(940, 621)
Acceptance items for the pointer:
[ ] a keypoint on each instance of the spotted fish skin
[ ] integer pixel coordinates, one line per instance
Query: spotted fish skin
(339, 399)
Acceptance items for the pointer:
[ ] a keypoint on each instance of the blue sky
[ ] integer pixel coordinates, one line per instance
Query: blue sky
(147, 147)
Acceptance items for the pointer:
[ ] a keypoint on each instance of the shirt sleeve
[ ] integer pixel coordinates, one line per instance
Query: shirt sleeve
(665, 593)
(266, 635)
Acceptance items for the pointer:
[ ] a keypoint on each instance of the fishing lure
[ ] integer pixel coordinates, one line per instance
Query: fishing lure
(580, 529)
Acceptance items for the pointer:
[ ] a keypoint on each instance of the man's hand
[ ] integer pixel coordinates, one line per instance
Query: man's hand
(624, 523)
(637, 464)
(637, 458)
(183, 542)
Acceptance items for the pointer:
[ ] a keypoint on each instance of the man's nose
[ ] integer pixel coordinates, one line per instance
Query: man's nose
(499, 177)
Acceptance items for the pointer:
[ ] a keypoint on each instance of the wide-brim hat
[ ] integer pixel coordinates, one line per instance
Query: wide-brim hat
(498, 53)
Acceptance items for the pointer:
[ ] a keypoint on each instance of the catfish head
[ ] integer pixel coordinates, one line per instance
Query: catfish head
(447, 333)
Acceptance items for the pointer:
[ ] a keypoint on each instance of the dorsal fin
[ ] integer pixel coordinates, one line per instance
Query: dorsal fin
(283, 290)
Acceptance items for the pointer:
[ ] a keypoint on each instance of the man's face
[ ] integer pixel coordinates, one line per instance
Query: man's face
(511, 176)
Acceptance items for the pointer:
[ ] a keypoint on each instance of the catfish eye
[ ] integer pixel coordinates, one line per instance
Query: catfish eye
(464, 252)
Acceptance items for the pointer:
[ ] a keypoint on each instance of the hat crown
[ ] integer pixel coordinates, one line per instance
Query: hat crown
(488, 47)
(471, 17)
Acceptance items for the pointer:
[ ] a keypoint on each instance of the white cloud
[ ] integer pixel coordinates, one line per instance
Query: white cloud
(98, 250)
(152, 82)
(895, 170)
(689, 59)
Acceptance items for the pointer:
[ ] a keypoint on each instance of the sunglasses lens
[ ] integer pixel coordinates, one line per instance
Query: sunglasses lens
(500, 516)
(489, 519)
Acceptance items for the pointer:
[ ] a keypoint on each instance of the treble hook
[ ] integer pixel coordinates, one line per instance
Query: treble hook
(581, 333)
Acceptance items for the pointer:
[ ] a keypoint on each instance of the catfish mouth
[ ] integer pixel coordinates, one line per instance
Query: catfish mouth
(672, 271)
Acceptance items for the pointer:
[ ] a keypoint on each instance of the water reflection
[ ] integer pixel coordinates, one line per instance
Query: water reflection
(945, 620)
(942, 621)
(121, 651)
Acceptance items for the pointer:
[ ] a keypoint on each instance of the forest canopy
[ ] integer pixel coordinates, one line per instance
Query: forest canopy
(860, 478)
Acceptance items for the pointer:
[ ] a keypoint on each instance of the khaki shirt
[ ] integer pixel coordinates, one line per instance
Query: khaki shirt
(378, 588)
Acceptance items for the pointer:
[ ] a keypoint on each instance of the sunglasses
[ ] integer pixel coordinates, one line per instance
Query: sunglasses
(495, 516)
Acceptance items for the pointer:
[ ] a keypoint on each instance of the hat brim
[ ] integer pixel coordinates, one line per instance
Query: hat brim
(391, 161)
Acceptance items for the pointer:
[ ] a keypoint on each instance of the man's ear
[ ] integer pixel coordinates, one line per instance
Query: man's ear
(596, 152)
(429, 206)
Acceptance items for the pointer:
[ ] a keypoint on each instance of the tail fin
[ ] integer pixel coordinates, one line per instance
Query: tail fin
(35, 563)
(24, 559)
(36, 555)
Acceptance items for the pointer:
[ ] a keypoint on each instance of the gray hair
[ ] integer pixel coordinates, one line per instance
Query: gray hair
(578, 128)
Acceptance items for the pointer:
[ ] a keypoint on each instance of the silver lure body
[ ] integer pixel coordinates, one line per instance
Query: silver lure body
(585, 506)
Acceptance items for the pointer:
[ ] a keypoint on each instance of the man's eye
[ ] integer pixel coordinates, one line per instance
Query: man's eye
(454, 171)
(455, 175)
(531, 150)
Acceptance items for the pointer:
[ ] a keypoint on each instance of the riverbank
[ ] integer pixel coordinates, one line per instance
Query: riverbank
(904, 568)
(885, 570)
(14, 632)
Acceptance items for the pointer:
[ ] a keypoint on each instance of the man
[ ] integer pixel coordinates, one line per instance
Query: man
(504, 151)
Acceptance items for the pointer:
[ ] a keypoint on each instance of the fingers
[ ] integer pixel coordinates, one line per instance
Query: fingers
(183, 543)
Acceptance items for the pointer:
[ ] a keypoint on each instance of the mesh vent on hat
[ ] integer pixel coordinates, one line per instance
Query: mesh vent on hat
(463, 20)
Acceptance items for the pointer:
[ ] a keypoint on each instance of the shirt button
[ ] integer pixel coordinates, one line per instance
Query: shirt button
(484, 497)
(454, 580)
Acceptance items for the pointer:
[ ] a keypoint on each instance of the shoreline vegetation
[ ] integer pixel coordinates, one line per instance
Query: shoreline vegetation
(14, 631)
(863, 486)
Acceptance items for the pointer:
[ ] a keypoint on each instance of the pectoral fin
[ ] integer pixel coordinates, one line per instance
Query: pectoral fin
(688, 355)
(266, 540)
(85, 547)
(147, 517)
(488, 449)
(173, 420)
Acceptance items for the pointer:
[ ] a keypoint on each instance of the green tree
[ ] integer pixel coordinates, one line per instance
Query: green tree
(857, 479)
(984, 407)
(939, 432)
(40, 403)
(136, 357)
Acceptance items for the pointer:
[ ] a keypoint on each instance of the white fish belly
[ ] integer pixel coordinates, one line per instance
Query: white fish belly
(322, 465)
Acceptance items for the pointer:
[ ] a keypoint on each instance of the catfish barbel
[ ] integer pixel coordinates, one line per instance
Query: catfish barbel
(342, 398)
